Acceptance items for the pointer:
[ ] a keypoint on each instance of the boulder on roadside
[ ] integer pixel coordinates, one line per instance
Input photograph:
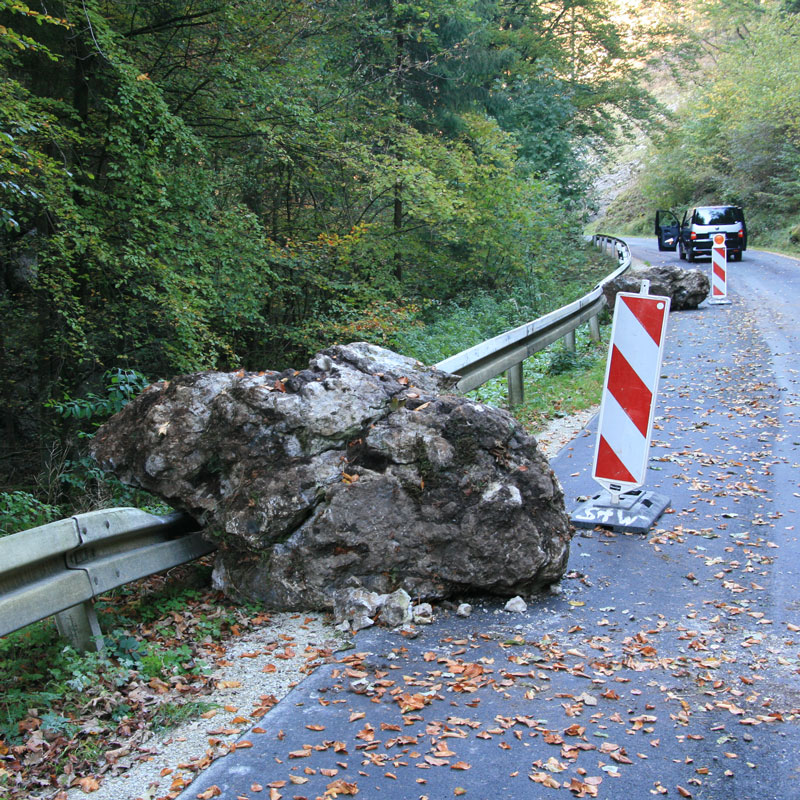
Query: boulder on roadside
(686, 288)
(359, 468)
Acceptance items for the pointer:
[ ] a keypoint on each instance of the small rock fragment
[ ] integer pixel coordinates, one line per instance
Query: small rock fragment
(464, 610)
(408, 631)
(422, 613)
(516, 604)
(349, 603)
(361, 686)
(396, 610)
(361, 621)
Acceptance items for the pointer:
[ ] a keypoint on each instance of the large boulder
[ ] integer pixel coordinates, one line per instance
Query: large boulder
(686, 288)
(357, 468)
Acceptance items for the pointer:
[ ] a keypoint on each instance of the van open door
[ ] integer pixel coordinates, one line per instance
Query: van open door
(740, 217)
(667, 230)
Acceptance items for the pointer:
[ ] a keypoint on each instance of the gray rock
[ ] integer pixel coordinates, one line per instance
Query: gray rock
(686, 288)
(422, 614)
(350, 603)
(360, 469)
(361, 621)
(408, 631)
(464, 610)
(517, 605)
(396, 611)
(361, 686)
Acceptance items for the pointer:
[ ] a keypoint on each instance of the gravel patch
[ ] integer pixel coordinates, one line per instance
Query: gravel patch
(255, 671)
(560, 432)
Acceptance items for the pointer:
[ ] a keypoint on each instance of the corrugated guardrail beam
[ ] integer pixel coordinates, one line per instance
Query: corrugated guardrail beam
(59, 568)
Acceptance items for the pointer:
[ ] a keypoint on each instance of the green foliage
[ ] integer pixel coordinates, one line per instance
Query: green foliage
(737, 139)
(122, 385)
(21, 510)
(170, 715)
(15, 40)
(439, 330)
(71, 678)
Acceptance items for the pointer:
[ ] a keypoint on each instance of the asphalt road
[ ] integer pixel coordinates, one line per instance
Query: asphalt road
(666, 664)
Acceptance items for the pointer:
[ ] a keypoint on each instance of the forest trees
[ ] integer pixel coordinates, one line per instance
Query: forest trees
(736, 136)
(192, 184)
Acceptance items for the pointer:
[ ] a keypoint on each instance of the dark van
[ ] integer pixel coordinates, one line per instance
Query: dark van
(694, 234)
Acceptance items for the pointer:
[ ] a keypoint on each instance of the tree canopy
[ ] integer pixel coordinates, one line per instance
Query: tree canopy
(190, 184)
(735, 137)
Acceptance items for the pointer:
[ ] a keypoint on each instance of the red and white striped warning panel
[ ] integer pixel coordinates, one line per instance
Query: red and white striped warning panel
(719, 270)
(628, 404)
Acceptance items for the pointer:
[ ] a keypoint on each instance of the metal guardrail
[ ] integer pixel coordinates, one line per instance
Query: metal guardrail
(506, 352)
(60, 568)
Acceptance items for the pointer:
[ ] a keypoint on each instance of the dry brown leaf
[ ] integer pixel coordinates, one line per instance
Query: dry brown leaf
(228, 684)
(87, 784)
(340, 787)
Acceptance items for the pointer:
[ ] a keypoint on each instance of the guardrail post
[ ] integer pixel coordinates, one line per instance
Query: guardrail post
(79, 626)
(516, 390)
(569, 341)
(594, 328)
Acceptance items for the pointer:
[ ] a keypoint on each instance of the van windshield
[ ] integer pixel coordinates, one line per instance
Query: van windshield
(725, 215)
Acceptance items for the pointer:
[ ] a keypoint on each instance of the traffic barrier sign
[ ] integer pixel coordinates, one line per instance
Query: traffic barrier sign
(719, 271)
(626, 414)
(628, 403)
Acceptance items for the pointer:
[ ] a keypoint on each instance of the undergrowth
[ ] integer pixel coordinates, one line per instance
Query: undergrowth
(61, 710)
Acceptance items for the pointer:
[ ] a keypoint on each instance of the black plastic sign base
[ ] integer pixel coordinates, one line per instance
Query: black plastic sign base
(636, 511)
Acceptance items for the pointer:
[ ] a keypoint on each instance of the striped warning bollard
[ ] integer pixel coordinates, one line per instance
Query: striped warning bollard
(719, 271)
(626, 416)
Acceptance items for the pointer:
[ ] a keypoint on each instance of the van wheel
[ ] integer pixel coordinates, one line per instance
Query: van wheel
(690, 254)
(681, 253)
